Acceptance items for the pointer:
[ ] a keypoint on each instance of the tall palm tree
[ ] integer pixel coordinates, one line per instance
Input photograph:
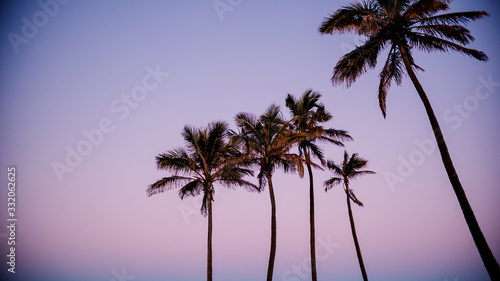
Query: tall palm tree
(405, 26)
(267, 141)
(208, 158)
(309, 113)
(347, 170)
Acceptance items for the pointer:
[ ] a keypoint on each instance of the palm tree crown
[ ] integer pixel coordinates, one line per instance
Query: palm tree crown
(309, 114)
(267, 140)
(404, 25)
(347, 170)
(207, 158)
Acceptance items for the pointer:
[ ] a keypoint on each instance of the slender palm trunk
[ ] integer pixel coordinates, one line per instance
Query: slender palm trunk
(209, 242)
(312, 234)
(355, 237)
(484, 250)
(272, 253)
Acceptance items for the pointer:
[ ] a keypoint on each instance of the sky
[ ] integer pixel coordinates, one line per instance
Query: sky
(92, 91)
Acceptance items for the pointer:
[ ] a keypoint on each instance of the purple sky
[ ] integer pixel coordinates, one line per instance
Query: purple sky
(131, 74)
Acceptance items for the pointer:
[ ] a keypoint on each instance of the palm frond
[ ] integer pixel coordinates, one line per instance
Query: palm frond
(231, 173)
(175, 160)
(340, 135)
(192, 188)
(289, 163)
(355, 63)
(262, 178)
(455, 33)
(317, 152)
(430, 43)
(196, 141)
(352, 196)
(356, 162)
(272, 116)
(204, 204)
(337, 170)
(361, 173)
(291, 103)
(321, 115)
(392, 70)
(454, 18)
(166, 183)
(329, 183)
(235, 182)
(362, 18)
(425, 8)
(246, 121)
(215, 142)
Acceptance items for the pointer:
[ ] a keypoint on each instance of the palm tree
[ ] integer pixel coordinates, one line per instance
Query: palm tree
(267, 141)
(207, 158)
(347, 170)
(404, 26)
(309, 114)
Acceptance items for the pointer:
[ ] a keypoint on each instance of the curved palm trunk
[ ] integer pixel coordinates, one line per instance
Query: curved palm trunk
(355, 237)
(484, 250)
(272, 254)
(209, 242)
(311, 218)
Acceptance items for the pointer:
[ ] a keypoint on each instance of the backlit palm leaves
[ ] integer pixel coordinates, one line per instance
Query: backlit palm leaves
(404, 26)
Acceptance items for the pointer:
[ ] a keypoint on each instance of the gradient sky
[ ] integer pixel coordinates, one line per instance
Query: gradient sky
(97, 221)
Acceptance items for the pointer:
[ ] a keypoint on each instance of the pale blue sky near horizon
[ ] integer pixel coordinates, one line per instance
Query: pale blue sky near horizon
(72, 73)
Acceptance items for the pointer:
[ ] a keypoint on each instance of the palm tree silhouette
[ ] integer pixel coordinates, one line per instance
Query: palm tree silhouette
(208, 158)
(404, 25)
(347, 170)
(309, 113)
(267, 141)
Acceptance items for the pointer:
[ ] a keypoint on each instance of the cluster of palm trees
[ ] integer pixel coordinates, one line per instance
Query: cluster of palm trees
(218, 154)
